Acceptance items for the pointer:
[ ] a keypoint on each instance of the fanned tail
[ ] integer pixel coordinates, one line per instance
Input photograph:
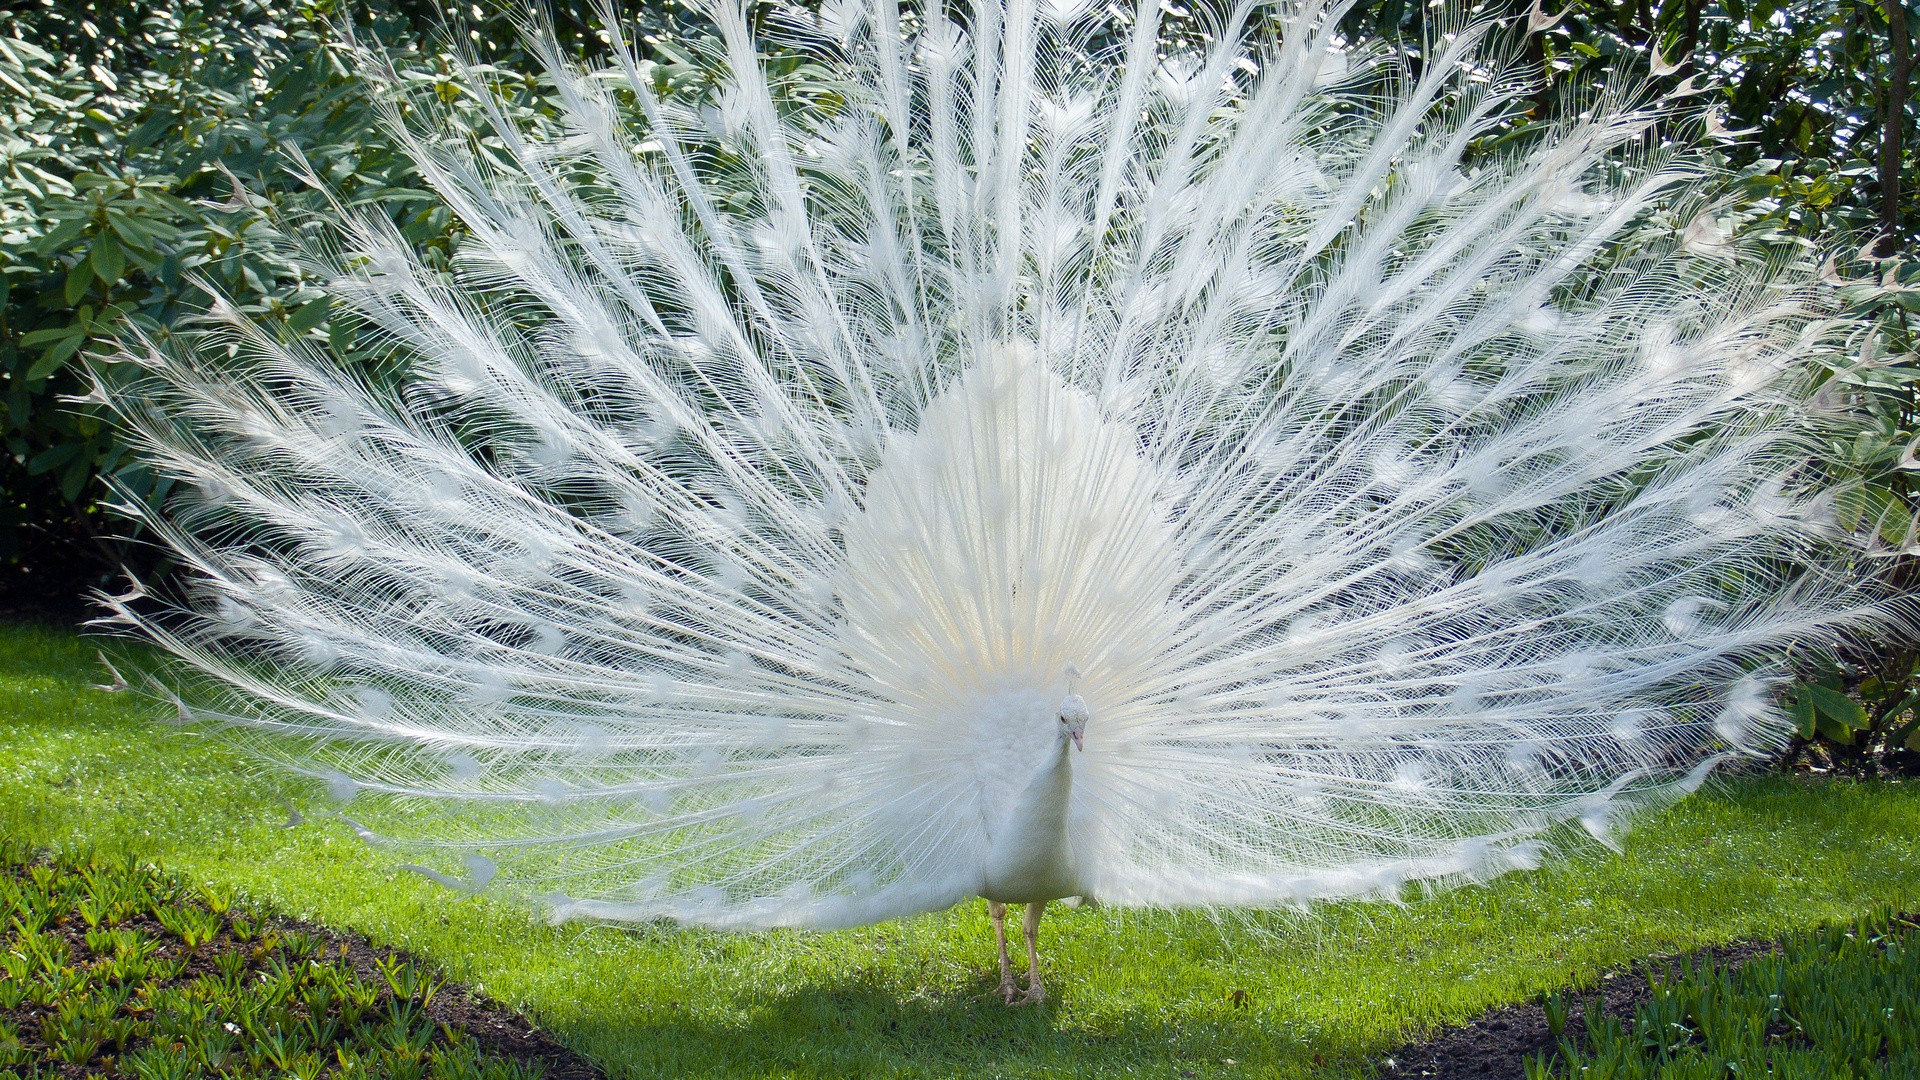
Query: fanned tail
(713, 541)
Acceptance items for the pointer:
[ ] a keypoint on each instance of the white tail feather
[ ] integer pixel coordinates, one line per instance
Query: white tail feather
(724, 552)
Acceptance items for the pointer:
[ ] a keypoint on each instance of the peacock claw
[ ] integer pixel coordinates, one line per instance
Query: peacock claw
(1035, 995)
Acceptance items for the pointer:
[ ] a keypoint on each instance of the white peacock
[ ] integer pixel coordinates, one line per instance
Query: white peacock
(1042, 457)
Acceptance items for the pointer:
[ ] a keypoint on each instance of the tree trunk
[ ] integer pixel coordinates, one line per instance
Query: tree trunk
(1689, 39)
(1893, 123)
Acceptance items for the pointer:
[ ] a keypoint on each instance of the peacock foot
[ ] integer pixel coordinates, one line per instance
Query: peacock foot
(1035, 995)
(1007, 990)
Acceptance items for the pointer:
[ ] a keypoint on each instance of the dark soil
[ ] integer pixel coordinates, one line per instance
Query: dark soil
(1496, 1045)
(496, 1031)
(56, 593)
(62, 604)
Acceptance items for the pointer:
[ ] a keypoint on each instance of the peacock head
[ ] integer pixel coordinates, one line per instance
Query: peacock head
(1073, 710)
(1073, 719)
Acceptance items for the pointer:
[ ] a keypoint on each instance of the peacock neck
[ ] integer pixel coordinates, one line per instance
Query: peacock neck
(1047, 794)
(1029, 858)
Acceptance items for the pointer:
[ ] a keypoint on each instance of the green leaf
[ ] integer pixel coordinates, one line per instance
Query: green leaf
(1839, 715)
(340, 337)
(1873, 506)
(1833, 730)
(309, 315)
(51, 335)
(1907, 734)
(53, 457)
(79, 276)
(132, 233)
(1906, 703)
(61, 235)
(54, 359)
(74, 480)
(1803, 719)
(108, 258)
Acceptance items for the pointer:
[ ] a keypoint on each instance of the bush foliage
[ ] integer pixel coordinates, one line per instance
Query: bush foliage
(146, 164)
(119, 206)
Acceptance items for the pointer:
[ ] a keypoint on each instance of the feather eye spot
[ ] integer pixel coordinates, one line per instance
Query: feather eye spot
(462, 769)
(341, 788)
(372, 702)
(1632, 725)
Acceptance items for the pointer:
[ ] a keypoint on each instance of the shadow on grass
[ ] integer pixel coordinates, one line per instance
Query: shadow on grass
(856, 1028)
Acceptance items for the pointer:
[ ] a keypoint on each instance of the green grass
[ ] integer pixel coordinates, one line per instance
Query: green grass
(1843, 1001)
(1139, 994)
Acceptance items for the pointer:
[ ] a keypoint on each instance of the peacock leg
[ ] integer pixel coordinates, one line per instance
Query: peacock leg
(998, 913)
(1030, 923)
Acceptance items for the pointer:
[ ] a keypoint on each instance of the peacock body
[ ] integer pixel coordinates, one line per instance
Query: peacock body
(1027, 460)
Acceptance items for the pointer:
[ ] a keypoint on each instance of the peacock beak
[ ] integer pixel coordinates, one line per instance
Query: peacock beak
(1075, 735)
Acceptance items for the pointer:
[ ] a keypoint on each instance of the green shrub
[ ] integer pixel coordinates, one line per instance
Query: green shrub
(144, 156)
(117, 203)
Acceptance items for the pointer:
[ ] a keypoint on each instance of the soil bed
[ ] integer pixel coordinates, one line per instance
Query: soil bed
(1496, 1044)
(494, 1030)
(497, 1030)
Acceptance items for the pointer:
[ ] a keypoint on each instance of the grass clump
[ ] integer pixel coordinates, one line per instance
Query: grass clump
(109, 968)
(1842, 1001)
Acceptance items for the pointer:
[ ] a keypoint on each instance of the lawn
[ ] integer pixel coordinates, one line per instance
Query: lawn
(1139, 994)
